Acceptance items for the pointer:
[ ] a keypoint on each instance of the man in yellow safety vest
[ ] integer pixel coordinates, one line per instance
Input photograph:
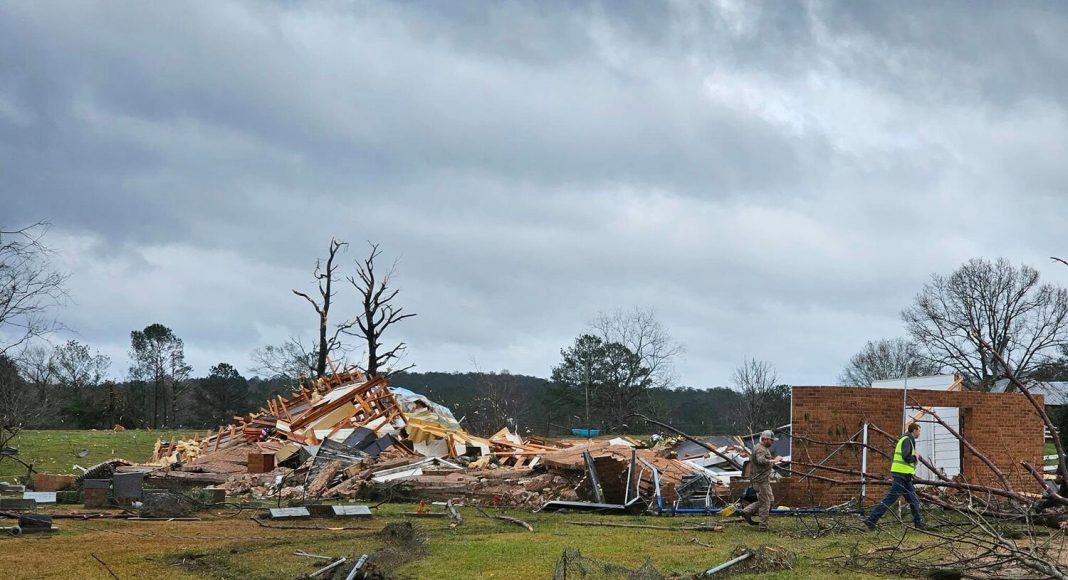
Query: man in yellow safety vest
(902, 469)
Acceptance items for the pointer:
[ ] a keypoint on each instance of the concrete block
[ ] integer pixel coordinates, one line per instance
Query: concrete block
(289, 513)
(40, 496)
(128, 486)
(18, 504)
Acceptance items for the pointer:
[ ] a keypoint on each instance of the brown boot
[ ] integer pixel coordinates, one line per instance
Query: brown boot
(748, 518)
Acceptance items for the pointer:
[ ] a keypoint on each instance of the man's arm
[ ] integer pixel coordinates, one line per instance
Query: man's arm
(907, 451)
(761, 457)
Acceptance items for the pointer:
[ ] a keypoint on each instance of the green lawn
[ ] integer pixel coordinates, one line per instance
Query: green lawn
(57, 451)
(228, 544)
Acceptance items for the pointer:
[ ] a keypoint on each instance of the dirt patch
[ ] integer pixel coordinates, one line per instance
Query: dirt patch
(194, 562)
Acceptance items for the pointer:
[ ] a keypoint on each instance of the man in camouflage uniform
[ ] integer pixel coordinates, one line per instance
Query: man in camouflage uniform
(760, 479)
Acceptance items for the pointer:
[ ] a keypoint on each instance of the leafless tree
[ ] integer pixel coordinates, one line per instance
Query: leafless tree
(761, 400)
(643, 335)
(379, 312)
(324, 277)
(28, 286)
(500, 400)
(19, 404)
(290, 360)
(888, 358)
(39, 378)
(1024, 321)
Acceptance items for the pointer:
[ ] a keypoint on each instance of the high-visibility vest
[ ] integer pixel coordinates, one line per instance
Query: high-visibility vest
(899, 465)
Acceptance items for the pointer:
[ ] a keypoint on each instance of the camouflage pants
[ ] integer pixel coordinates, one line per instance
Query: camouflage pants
(762, 506)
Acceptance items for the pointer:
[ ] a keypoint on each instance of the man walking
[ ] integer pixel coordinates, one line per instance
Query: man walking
(902, 469)
(760, 479)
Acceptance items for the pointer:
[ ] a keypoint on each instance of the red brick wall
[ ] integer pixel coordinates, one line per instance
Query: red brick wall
(1003, 426)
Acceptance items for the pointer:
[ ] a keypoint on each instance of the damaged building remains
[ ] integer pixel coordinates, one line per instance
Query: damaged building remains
(345, 438)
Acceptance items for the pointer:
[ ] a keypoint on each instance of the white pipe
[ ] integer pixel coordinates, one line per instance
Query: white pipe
(728, 564)
(864, 466)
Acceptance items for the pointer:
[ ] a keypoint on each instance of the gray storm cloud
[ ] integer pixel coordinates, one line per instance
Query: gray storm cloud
(776, 179)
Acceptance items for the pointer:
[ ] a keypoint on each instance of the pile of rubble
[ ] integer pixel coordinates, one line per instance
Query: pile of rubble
(345, 436)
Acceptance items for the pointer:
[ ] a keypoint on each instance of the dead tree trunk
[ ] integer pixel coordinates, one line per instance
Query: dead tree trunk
(325, 279)
(378, 314)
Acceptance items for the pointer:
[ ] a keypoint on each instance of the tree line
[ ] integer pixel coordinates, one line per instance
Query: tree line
(622, 363)
(68, 387)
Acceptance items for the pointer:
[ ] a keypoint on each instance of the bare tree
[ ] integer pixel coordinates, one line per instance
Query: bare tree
(289, 360)
(888, 358)
(500, 400)
(324, 277)
(643, 335)
(761, 405)
(1025, 322)
(28, 286)
(379, 312)
(25, 404)
(39, 378)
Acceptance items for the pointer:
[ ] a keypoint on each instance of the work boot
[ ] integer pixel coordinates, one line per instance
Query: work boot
(920, 526)
(870, 525)
(748, 518)
(763, 529)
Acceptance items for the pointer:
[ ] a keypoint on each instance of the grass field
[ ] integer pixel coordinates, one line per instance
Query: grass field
(228, 544)
(57, 451)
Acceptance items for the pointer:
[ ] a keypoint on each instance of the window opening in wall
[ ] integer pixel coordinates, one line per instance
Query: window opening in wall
(936, 443)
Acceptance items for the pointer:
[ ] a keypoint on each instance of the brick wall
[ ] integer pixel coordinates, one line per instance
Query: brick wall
(1003, 426)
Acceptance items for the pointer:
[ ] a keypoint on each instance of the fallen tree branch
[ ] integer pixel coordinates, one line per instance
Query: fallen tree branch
(515, 521)
(1009, 374)
(105, 565)
(729, 460)
(964, 441)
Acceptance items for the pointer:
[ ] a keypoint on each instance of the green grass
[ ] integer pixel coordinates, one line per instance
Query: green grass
(56, 451)
(230, 545)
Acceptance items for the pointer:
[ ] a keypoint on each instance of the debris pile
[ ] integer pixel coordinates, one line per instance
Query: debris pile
(344, 436)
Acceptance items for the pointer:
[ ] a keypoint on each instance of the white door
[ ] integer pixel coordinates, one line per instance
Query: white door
(936, 444)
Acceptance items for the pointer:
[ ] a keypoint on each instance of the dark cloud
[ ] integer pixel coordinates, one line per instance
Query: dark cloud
(777, 179)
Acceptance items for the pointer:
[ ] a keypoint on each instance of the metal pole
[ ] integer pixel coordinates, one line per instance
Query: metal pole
(588, 432)
(595, 483)
(864, 467)
(357, 567)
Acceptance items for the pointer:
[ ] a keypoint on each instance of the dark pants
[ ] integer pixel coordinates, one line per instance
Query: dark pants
(902, 487)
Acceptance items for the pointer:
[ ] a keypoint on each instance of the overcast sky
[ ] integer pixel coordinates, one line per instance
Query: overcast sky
(776, 180)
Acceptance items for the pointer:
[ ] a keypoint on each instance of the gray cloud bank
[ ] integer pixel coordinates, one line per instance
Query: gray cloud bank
(776, 179)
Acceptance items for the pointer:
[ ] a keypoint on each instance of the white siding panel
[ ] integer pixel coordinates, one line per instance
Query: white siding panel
(936, 443)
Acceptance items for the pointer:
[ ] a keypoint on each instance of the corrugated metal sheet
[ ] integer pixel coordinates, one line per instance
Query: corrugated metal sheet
(931, 383)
